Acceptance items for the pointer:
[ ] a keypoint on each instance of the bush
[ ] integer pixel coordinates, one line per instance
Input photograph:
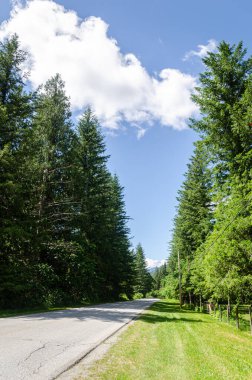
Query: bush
(137, 296)
(155, 294)
(123, 297)
(53, 298)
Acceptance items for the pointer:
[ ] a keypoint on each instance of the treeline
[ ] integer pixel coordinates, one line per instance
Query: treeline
(159, 275)
(63, 226)
(211, 248)
(143, 280)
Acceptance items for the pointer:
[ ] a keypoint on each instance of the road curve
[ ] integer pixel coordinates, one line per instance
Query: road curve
(42, 346)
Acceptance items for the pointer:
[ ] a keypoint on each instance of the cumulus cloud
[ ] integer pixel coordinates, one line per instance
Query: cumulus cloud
(202, 51)
(116, 85)
(154, 263)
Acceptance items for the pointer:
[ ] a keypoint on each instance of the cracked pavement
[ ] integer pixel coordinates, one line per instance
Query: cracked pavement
(42, 346)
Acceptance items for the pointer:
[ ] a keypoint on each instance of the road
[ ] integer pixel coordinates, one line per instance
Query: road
(42, 346)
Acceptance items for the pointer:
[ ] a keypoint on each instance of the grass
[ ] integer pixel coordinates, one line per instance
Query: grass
(244, 320)
(169, 343)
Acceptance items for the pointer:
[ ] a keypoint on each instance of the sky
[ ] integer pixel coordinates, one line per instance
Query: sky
(136, 64)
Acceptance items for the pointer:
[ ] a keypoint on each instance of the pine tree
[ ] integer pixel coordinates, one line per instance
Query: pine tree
(119, 258)
(227, 264)
(63, 225)
(102, 220)
(53, 205)
(223, 85)
(16, 110)
(193, 220)
(143, 282)
(225, 102)
(93, 189)
(159, 275)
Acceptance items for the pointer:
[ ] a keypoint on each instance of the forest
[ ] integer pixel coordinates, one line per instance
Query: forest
(64, 237)
(211, 249)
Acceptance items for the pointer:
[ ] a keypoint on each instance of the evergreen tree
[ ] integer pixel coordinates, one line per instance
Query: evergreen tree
(53, 206)
(120, 259)
(225, 101)
(222, 86)
(193, 221)
(16, 110)
(93, 189)
(226, 255)
(63, 225)
(102, 220)
(143, 281)
(159, 275)
(221, 265)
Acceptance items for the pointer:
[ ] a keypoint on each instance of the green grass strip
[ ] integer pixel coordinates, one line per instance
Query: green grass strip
(169, 343)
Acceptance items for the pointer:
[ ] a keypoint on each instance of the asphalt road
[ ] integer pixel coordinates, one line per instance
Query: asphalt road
(42, 346)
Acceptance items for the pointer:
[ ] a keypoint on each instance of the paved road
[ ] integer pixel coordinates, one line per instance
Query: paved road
(42, 346)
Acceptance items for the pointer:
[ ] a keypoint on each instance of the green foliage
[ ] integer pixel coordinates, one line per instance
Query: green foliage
(16, 110)
(223, 85)
(227, 252)
(192, 223)
(102, 220)
(63, 226)
(143, 280)
(138, 296)
(159, 276)
(213, 224)
(170, 287)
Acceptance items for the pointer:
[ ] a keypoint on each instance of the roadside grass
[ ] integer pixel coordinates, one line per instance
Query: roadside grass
(243, 313)
(167, 343)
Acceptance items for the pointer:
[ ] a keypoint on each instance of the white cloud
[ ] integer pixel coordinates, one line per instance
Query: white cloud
(95, 71)
(154, 263)
(202, 51)
(140, 132)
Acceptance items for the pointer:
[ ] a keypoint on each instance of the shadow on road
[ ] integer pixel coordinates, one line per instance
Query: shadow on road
(122, 312)
(117, 312)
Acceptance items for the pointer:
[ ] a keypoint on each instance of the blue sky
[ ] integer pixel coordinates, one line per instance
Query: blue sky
(149, 148)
